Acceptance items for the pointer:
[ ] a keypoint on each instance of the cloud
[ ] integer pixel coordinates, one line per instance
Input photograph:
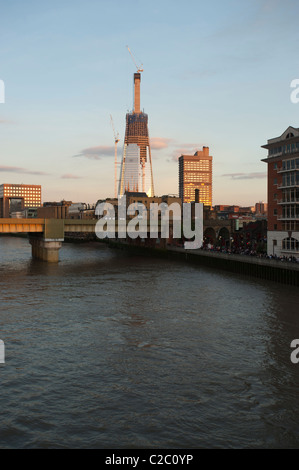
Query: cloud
(246, 176)
(184, 149)
(5, 121)
(69, 176)
(159, 143)
(15, 169)
(96, 153)
(189, 145)
(102, 151)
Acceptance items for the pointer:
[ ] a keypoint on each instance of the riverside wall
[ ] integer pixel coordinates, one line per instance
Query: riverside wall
(271, 270)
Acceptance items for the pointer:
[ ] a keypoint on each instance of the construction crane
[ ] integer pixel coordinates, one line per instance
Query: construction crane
(139, 69)
(116, 140)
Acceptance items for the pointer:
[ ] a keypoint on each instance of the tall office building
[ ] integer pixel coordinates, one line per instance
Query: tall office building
(196, 172)
(136, 173)
(17, 197)
(283, 193)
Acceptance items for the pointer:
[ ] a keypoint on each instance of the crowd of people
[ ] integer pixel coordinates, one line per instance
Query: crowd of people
(249, 251)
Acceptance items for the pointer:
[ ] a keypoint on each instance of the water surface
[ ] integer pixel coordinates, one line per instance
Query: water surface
(109, 350)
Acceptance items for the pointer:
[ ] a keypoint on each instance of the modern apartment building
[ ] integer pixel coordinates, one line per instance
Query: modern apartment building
(283, 193)
(196, 172)
(17, 197)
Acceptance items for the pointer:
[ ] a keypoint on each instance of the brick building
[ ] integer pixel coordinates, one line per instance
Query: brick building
(283, 193)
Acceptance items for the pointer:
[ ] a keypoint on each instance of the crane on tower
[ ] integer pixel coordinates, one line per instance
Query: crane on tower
(116, 140)
(139, 69)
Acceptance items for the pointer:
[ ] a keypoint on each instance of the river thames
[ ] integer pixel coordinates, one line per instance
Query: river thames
(109, 350)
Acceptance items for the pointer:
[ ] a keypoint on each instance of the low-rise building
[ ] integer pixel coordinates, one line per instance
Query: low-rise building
(54, 210)
(17, 197)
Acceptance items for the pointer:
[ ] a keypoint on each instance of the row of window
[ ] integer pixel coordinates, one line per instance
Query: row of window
(20, 190)
(290, 225)
(290, 164)
(289, 148)
(290, 179)
(196, 178)
(197, 166)
(290, 212)
(192, 191)
(290, 195)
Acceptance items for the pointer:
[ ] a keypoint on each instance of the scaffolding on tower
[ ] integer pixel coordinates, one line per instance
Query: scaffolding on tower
(136, 167)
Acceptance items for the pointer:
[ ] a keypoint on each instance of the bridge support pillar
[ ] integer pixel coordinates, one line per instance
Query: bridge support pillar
(45, 250)
(46, 247)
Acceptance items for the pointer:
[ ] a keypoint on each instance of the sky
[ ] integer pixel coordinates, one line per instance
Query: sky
(216, 74)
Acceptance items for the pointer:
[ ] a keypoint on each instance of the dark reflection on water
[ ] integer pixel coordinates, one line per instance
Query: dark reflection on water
(107, 350)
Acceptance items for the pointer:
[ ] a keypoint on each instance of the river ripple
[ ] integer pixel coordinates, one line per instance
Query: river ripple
(110, 350)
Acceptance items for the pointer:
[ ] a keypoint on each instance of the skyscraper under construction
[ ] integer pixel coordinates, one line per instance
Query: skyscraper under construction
(136, 169)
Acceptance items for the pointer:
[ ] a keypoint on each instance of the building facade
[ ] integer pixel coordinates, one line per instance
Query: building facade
(136, 174)
(196, 172)
(283, 193)
(54, 210)
(261, 208)
(17, 197)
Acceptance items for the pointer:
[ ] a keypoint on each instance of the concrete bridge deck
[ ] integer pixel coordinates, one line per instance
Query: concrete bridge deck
(46, 225)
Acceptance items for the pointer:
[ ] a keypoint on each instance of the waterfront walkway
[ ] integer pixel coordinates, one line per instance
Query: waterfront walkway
(253, 254)
(269, 269)
(243, 258)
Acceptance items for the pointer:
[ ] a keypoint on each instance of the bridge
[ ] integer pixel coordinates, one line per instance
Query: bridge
(215, 229)
(50, 227)
(46, 235)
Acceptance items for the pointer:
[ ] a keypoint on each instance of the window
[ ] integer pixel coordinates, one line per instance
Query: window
(290, 244)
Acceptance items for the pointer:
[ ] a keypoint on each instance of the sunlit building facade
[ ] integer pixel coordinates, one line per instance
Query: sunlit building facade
(196, 172)
(136, 173)
(17, 197)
